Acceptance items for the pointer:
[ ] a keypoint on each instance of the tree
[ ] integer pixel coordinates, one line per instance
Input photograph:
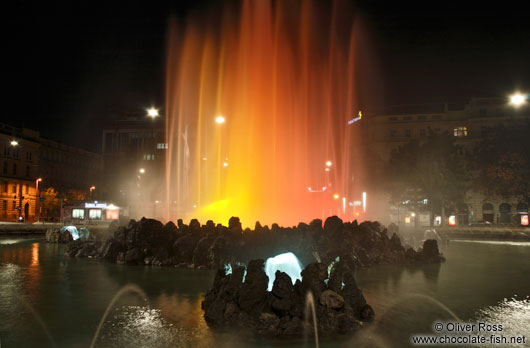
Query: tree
(430, 174)
(50, 205)
(502, 163)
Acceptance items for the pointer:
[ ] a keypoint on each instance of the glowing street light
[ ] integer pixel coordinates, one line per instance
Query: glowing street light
(152, 112)
(14, 142)
(336, 196)
(141, 170)
(517, 99)
(225, 164)
(220, 119)
(328, 164)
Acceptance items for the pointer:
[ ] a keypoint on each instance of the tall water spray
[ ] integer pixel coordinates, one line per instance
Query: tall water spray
(258, 103)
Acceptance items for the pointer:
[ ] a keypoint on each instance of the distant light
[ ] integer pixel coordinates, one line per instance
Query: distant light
(225, 164)
(358, 118)
(328, 163)
(112, 207)
(204, 158)
(14, 142)
(328, 169)
(344, 205)
(335, 196)
(524, 220)
(413, 214)
(517, 99)
(152, 112)
(220, 119)
(142, 170)
(39, 179)
(452, 220)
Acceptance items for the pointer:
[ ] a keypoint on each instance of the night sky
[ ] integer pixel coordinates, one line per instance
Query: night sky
(70, 64)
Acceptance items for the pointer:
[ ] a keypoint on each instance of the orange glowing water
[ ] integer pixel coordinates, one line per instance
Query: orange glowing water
(282, 77)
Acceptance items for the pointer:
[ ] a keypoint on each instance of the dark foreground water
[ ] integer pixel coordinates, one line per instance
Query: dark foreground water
(49, 300)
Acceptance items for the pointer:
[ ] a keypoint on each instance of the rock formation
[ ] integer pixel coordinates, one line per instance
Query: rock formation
(238, 301)
(149, 242)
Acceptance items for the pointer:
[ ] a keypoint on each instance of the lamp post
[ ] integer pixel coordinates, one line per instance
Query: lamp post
(38, 197)
(92, 188)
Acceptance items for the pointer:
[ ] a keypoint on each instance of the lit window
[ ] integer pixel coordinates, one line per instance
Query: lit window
(161, 146)
(78, 213)
(460, 132)
(94, 214)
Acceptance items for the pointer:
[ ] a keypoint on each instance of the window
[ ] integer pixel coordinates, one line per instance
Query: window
(5, 167)
(408, 133)
(460, 132)
(393, 118)
(94, 214)
(15, 153)
(161, 146)
(422, 118)
(6, 151)
(5, 187)
(407, 118)
(15, 188)
(28, 156)
(393, 133)
(27, 189)
(78, 213)
(149, 157)
(436, 117)
(422, 132)
(27, 170)
(14, 169)
(5, 205)
(14, 204)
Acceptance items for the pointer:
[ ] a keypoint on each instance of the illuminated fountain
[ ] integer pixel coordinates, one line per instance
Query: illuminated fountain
(258, 104)
(287, 263)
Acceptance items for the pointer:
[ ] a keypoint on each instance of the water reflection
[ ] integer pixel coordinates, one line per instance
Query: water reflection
(71, 295)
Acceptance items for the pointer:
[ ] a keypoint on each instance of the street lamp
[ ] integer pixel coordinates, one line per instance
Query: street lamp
(92, 188)
(141, 170)
(38, 197)
(220, 119)
(517, 99)
(152, 112)
(14, 142)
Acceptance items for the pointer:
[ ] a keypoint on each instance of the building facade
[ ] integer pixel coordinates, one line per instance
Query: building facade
(469, 124)
(31, 164)
(134, 151)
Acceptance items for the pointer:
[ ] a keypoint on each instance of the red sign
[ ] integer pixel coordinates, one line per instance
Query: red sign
(524, 220)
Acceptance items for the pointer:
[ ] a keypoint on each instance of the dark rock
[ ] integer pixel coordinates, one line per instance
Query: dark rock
(367, 313)
(331, 299)
(110, 249)
(430, 252)
(313, 277)
(254, 289)
(133, 256)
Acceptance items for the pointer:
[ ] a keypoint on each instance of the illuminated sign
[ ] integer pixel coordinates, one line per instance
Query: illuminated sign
(524, 220)
(452, 220)
(97, 205)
